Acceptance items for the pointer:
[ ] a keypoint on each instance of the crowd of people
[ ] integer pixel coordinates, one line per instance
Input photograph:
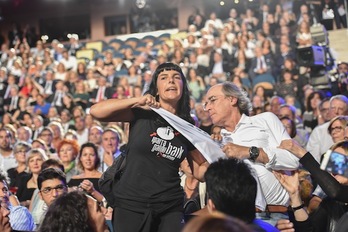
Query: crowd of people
(64, 121)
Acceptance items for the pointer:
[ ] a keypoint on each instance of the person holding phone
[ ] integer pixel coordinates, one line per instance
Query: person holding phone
(334, 186)
(336, 130)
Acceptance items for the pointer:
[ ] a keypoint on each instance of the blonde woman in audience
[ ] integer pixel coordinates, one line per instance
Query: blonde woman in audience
(61, 72)
(81, 96)
(27, 186)
(58, 133)
(91, 80)
(303, 36)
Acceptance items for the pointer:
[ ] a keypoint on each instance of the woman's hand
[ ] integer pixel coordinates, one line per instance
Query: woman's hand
(87, 186)
(289, 182)
(292, 146)
(147, 101)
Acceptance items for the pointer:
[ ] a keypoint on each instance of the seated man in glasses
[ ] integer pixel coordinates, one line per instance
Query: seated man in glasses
(19, 216)
(51, 183)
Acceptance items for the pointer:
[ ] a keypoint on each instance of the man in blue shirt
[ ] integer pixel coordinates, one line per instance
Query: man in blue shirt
(20, 217)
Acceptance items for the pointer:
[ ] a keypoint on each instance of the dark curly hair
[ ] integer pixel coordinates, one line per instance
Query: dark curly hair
(68, 213)
(183, 110)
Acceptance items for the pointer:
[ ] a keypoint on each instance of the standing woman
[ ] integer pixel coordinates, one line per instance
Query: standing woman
(148, 196)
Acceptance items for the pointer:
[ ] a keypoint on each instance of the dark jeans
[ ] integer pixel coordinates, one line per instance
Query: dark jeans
(129, 221)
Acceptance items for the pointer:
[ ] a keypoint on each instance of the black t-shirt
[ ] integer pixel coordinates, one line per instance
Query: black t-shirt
(153, 159)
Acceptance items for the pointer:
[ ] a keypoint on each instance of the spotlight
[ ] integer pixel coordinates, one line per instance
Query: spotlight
(222, 3)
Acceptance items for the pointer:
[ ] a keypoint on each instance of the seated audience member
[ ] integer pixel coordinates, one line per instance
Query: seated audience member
(88, 215)
(216, 222)
(231, 189)
(46, 135)
(20, 217)
(289, 111)
(7, 159)
(51, 184)
(67, 152)
(289, 125)
(38, 206)
(15, 174)
(27, 186)
(88, 162)
(319, 140)
(110, 144)
(39, 143)
(205, 122)
(5, 225)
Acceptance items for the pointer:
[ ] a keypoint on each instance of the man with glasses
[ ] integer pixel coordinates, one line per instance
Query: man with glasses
(20, 217)
(320, 140)
(255, 140)
(51, 184)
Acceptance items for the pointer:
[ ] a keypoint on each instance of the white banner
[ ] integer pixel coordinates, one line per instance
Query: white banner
(199, 138)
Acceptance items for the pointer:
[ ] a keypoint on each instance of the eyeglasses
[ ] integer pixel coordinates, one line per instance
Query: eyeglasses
(336, 129)
(211, 101)
(60, 188)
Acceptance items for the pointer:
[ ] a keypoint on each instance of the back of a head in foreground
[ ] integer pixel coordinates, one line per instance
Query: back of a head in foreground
(216, 222)
(69, 212)
(231, 187)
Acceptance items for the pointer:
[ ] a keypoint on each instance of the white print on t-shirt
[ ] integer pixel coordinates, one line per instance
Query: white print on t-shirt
(165, 148)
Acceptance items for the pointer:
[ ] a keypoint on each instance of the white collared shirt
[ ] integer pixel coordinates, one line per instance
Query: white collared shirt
(266, 131)
(319, 141)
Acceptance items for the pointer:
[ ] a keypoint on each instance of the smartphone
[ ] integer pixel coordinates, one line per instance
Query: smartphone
(335, 163)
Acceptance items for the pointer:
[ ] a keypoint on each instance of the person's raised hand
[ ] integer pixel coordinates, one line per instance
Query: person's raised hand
(292, 146)
(289, 182)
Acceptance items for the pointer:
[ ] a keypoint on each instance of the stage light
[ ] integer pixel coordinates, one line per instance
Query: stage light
(222, 3)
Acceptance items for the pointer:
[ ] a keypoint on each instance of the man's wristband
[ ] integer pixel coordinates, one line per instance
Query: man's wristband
(297, 208)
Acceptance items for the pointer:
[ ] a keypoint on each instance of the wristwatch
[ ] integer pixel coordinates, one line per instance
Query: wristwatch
(254, 152)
